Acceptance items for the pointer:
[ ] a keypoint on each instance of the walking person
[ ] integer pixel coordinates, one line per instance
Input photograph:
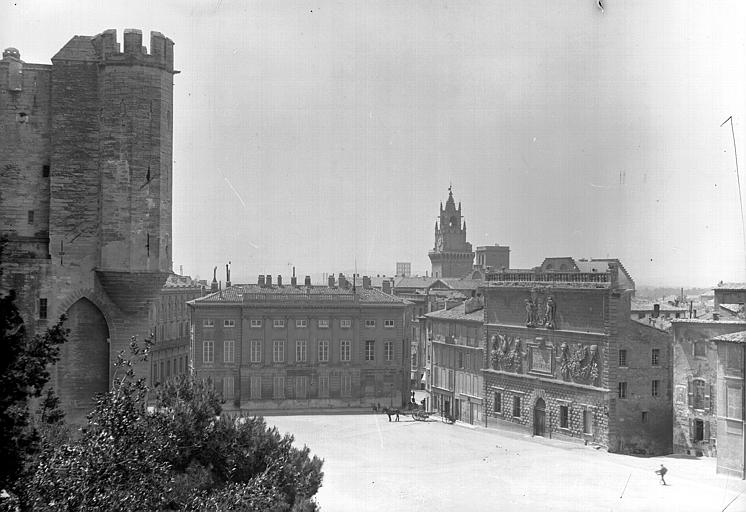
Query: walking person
(397, 415)
(662, 472)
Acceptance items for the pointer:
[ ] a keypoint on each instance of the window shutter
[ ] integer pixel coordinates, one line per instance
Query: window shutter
(706, 431)
(708, 400)
(691, 431)
(690, 393)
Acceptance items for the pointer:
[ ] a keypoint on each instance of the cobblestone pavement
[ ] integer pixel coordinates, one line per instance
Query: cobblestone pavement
(377, 465)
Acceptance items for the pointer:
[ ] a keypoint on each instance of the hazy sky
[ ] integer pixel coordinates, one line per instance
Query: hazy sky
(315, 134)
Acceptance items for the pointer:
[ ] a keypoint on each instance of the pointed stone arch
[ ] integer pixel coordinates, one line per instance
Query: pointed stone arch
(84, 366)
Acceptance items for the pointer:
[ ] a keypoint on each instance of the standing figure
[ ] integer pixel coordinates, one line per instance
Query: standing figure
(662, 472)
(551, 310)
(530, 313)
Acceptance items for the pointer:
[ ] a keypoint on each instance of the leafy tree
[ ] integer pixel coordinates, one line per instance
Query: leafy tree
(24, 371)
(180, 454)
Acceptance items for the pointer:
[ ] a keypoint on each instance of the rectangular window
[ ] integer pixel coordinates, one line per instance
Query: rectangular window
(587, 421)
(370, 323)
(323, 324)
(255, 323)
(45, 171)
(42, 309)
(622, 357)
(517, 406)
(256, 351)
(345, 324)
(622, 390)
(278, 323)
(278, 351)
(700, 348)
(655, 387)
(733, 397)
(31, 216)
(229, 351)
(388, 324)
(300, 351)
(644, 418)
(344, 350)
(301, 323)
(208, 322)
(460, 359)
(323, 385)
(564, 416)
(323, 351)
(655, 357)
(228, 388)
(229, 323)
(278, 387)
(370, 350)
(388, 349)
(498, 405)
(301, 386)
(346, 384)
(256, 387)
(208, 351)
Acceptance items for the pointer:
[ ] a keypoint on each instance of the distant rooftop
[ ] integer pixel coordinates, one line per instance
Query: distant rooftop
(731, 286)
(736, 337)
(458, 313)
(242, 293)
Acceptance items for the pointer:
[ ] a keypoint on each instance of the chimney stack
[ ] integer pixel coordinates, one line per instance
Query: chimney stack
(228, 275)
(331, 281)
(366, 282)
(279, 280)
(260, 281)
(294, 281)
(268, 280)
(387, 286)
(214, 284)
(308, 281)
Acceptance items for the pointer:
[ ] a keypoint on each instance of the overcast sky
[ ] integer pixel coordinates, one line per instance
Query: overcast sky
(317, 134)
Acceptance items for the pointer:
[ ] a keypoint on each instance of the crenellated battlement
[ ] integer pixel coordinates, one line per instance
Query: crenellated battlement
(108, 51)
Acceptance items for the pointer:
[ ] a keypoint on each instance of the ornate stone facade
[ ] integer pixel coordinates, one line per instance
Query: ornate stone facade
(553, 361)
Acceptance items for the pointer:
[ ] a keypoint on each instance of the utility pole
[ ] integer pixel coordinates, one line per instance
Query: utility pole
(738, 181)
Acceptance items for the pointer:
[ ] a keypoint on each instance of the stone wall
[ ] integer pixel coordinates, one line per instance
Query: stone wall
(695, 362)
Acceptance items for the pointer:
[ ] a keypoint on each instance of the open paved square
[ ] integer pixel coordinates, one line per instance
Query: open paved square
(371, 464)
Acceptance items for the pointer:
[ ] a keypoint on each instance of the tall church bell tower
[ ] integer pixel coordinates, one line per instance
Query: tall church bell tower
(452, 255)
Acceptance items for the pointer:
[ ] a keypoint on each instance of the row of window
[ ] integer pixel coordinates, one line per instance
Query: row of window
(564, 412)
(301, 351)
(279, 323)
(162, 370)
(655, 357)
(300, 386)
(655, 388)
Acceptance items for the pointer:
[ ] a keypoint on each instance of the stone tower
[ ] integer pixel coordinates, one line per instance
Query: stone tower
(86, 196)
(452, 255)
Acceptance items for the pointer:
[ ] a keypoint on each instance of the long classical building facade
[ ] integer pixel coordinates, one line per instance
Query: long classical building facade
(564, 358)
(271, 347)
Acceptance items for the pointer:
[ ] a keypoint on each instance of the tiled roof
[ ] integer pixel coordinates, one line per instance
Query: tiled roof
(458, 313)
(455, 283)
(237, 293)
(736, 337)
(414, 282)
(645, 305)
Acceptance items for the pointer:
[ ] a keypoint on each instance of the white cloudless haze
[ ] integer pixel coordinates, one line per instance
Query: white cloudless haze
(317, 134)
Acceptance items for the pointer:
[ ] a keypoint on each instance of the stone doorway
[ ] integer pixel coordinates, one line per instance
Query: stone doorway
(539, 417)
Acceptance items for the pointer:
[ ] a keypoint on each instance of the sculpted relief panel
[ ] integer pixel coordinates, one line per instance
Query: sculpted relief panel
(563, 360)
(540, 314)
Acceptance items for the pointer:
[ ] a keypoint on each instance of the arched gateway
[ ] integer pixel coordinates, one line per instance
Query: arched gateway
(83, 369)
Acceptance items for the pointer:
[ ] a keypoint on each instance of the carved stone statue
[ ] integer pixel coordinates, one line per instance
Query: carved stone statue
(551, 309)
(530, 313)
